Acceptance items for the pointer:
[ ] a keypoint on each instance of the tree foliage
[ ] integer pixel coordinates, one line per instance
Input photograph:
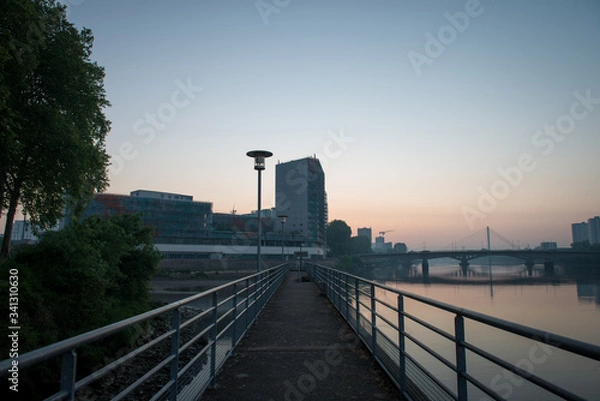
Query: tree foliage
(340, 240)
(92, 273)
(360, 244)
(338, 235)
(52, 129)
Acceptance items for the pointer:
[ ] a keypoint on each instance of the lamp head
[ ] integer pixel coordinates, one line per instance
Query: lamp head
(259, 158)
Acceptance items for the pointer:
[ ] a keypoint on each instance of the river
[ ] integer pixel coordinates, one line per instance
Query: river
(563, 301)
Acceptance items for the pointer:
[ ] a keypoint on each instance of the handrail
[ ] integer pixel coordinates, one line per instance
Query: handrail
(357, 300)
(228, 319)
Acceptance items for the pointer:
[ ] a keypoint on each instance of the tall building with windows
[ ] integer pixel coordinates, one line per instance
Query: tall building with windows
(301, 196)
(580, 232)
(366, 232)
(23, 231)
(594, 230)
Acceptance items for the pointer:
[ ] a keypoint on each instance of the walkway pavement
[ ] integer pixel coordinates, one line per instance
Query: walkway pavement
(300, 349)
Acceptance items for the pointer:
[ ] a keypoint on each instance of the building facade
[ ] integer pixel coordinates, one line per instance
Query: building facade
(301, 196)
(187, 229)
(580, 232)
(594, 230)
(587, 231)
(366, 232)
(22, 231)
(177, 219)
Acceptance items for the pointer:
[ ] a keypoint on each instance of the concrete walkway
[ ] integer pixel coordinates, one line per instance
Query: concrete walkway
(301, 349)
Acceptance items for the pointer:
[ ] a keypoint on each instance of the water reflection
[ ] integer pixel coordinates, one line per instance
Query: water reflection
(564, 300)
(588, 292)
(493, 273)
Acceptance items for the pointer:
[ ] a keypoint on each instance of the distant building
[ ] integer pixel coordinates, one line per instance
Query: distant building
(594, 230)
(176, 218)
(141, 193)
(587, 232)
(548, 246)
(188, 229)
(580, 232)
(381, 246)
(301, 196)
(366, 232)
(22, 231)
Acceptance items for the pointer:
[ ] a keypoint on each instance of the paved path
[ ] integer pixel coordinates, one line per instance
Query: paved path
(300, 349)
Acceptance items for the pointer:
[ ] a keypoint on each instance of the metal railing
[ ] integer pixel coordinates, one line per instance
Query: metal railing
(182, 359)
(436, 351)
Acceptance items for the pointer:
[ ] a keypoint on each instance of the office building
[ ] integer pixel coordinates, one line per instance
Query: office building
(587, 232)
(594, 230)
(177, 219)
(580, 232)
(301, 196)
(548, 246)
(22, 232)
(380, 246)
(187, 229)
(366, 232)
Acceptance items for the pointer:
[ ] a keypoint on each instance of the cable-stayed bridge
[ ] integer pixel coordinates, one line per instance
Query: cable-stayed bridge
(486, 238)
(483, 243)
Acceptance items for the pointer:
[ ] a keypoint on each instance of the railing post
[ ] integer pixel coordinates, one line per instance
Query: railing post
(255, 298)
(339, 291)
(346, 298)
(68, 370)
(175, 325)
(356, 292)
(373, 322)
(213, 353)
(461, 357)
(247, 300)
(401, 343)
(235, 320)
(334, 288)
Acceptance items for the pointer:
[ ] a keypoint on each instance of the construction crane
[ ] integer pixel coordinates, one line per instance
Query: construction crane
(382, 233)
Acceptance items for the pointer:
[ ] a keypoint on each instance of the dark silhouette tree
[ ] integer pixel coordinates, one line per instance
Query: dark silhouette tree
(338, 238)
(360, 244)
(52, 129)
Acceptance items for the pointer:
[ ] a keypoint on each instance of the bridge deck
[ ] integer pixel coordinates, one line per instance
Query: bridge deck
(300, 349)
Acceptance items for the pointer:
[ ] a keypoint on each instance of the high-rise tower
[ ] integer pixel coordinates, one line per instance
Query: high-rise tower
(300, 195)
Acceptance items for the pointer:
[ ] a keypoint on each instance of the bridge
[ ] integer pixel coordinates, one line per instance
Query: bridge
(313, 334)
(480, 244)
(530, 257)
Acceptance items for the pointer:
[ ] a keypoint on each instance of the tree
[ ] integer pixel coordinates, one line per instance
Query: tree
(360, 244)
(53, 128)
(338, 238)
(92, 273)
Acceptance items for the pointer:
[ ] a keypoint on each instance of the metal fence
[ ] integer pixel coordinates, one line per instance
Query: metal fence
(179, 361)
(436, 351)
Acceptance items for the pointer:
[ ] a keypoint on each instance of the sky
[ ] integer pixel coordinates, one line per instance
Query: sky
(432, 119)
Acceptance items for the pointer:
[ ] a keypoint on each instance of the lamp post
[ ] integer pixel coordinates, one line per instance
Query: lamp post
(259, 165)
(282, 218)
(300, 267)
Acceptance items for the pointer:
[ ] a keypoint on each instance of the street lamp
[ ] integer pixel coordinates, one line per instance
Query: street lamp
(282, 218)
(259, 165)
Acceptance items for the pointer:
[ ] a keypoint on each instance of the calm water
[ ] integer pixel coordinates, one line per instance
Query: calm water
(565, 302)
